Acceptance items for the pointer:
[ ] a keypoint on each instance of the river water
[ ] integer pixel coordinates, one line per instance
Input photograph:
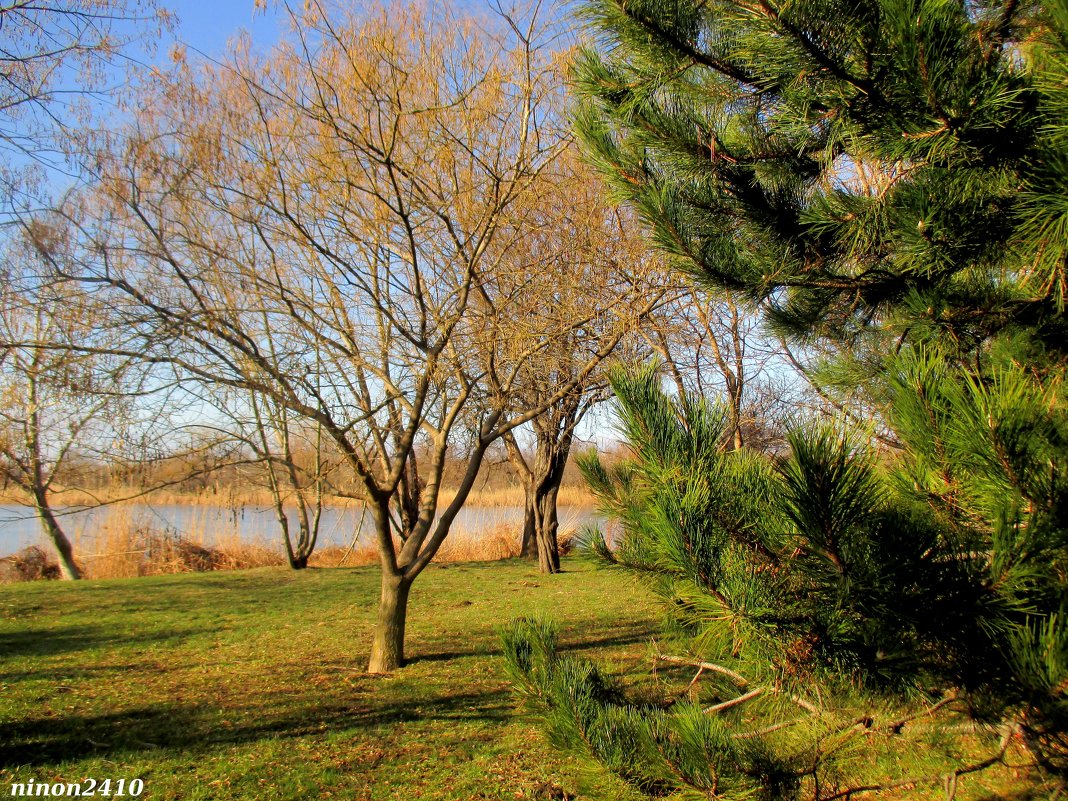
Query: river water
(207, 525)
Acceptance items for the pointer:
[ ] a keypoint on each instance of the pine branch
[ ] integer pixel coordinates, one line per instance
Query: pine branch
(740, 680)
(949, 779)
(737, 678)
(741, 699)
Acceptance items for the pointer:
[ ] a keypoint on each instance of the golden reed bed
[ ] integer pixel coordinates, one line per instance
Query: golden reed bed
(230, 497)
(124, 546)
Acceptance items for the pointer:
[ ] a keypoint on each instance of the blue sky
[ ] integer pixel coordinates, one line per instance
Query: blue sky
(207, 25)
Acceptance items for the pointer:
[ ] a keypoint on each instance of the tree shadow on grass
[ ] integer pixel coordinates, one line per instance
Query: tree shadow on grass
(591, 638)
(68, 639)
(64, 675)
(594, 638)
(198, 727)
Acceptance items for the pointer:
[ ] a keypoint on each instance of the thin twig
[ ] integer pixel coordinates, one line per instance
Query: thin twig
(895, 726)
(801, 702)
(352, 544)
(738, 679)
(693, 682)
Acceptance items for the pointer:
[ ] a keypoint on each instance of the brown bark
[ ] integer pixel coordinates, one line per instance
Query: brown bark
(421, 542)
(67, 566)
(547, 527)
(39, 478)
(547, 473)
(529, 546)
(387, 648)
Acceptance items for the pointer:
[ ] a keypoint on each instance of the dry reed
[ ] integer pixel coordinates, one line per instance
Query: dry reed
(502, 541)
(29, 564)
(226, 496)
(125, 545)
(499, 542)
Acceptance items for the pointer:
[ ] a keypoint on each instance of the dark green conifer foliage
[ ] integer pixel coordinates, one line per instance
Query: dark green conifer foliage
(827, 597)
(866, 165)
(887, 179)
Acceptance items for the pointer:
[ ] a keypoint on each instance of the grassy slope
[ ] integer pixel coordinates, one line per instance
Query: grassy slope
(249, 685)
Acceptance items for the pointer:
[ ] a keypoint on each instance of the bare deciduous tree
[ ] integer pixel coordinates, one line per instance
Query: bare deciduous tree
(578, 279)
(712, 345)
(61, 397)
(297, 477)
(318, 227)
(55, 57)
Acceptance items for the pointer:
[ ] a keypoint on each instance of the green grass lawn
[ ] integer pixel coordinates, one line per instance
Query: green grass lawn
(250, 685)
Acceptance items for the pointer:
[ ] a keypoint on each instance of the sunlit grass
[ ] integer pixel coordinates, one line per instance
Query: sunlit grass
(250, 685)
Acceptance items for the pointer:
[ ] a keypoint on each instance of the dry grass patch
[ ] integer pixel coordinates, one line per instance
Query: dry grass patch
(29, 564)
(500, 542)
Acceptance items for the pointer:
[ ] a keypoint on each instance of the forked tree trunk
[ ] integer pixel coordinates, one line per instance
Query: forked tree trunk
(548, 526)
(67, 567)
(387, 647)
(542, 482)
(309, 526)
(400, 568)
(309, 532)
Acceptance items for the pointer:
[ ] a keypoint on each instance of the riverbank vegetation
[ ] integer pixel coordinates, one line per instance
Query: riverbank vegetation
(125, 544)
(236, 496)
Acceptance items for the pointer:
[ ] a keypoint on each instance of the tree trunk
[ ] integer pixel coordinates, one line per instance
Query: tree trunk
(309, 531)
(387, 649)
(529, 547)
(548, 474)
(67, 567)
(547, 526)
(39, 486)
(736, 416)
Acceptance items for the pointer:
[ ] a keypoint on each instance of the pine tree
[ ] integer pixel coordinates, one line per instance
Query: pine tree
(825, 612)
(885, 180)
(856, 167)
